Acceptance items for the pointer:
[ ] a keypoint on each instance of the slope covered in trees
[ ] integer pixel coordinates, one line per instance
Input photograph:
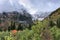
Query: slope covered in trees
(14, 19)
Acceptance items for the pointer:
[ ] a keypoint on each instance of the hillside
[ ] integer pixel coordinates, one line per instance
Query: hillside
(55, 14)
(15, 19)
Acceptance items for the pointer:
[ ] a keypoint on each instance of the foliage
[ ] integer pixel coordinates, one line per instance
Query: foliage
(36, 32)
(51, 23)
(58, 23)
(12, 25)
(55, 32)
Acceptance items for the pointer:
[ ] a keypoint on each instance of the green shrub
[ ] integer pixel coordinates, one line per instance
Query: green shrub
(58, 23)
(55, 32)
(51, 23)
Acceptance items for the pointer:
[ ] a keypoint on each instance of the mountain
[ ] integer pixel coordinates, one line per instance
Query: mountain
(40, 15)
(55, 14)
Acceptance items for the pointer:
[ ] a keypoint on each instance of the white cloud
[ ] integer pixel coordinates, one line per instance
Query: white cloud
(50, 4)
(31, 5)
(27, 4)
(2, 2)
(11, 2)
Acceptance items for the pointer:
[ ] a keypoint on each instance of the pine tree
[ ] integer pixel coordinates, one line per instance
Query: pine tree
(51, 23)
(58, 23)
(12, 25)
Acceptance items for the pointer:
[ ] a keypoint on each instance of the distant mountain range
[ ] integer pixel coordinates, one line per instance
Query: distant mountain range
(40, 15)
(17, 7)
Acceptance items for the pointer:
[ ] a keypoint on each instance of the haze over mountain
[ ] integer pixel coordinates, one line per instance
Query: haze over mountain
(32, 6)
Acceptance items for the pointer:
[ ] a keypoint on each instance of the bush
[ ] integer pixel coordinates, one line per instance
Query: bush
(51, 23)
(58, 23)
(55, 32)
(39, 31)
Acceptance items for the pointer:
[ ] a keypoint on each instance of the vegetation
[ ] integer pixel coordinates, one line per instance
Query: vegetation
(25, 29)
(58, 23)
(40, 31)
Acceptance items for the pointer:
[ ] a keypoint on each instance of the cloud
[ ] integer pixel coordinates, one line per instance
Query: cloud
(27, 4)
(52, 6)
(11, 2)
(2, 2)
(32, 6)
(46, 5)
(6, 6)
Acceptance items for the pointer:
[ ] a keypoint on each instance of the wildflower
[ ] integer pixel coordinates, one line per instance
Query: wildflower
(14, 32)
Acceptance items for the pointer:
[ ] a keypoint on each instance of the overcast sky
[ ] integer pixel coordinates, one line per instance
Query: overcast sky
(32, 6)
